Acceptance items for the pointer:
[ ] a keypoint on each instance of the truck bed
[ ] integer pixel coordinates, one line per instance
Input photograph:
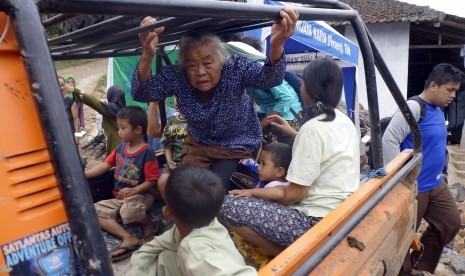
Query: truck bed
(376, 246)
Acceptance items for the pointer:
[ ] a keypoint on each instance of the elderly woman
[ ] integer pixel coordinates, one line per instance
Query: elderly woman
(210, 87)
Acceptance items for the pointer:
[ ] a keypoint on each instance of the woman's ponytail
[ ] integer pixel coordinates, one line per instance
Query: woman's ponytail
(323, 81)
(311, 112)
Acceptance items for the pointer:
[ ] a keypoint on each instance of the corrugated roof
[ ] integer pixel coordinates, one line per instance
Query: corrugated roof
(384, 11)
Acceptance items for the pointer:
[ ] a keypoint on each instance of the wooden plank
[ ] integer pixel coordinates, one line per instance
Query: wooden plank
(383, 239)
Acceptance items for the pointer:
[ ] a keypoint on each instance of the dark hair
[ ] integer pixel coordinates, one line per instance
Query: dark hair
(323, 82)
(254, 42)
(188, 42)
(444, 73)
(195, 195)
(116, 99)
(135, 115)
(281, 154)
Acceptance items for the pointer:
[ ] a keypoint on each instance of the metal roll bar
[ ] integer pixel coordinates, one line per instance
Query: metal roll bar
(77, 200)
(211, 9)
(88, 30)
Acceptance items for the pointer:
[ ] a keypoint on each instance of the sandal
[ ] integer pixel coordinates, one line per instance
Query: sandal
(125, 254)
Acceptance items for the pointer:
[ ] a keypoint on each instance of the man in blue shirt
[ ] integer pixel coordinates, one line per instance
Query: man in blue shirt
(434, 200)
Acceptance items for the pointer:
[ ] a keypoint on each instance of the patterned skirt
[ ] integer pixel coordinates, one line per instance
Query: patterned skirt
(275, 222)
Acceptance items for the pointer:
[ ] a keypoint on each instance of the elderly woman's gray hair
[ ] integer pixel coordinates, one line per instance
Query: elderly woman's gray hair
(192, 41)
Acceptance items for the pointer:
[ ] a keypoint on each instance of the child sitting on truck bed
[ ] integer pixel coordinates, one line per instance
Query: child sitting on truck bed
(173, 138)
(136, 171)
(274, 163)
(197, 244)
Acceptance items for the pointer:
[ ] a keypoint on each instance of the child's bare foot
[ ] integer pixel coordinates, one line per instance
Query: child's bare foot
(126, 248)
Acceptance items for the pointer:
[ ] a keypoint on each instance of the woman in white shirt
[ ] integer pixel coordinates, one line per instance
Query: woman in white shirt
(324, 170)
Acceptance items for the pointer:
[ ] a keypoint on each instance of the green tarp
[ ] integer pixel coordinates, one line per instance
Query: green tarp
(123, 68)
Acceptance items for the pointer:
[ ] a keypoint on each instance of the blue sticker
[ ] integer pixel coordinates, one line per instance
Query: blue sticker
(56, 262)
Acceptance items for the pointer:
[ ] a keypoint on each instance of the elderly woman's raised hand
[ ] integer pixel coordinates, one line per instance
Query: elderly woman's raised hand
(282, 30)
(149, 43)
(149, 39)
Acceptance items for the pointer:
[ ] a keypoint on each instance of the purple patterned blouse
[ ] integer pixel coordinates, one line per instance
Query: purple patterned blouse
(229, 118)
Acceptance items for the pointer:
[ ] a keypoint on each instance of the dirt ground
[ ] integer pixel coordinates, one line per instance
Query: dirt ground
(86, 76)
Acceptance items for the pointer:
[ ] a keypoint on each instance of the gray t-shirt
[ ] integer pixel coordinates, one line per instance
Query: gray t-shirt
(397, 130)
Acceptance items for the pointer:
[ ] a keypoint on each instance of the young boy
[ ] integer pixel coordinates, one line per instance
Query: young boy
(173, 139)
(275, 159)
(136, 171)
(197, 244)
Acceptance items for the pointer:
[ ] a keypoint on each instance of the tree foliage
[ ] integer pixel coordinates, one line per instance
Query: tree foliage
(55, 30)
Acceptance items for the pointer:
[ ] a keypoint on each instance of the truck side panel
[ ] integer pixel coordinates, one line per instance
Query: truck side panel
(377, 246)
(34, 227)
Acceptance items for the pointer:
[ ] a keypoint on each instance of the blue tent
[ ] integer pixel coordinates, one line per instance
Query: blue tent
(313, 37)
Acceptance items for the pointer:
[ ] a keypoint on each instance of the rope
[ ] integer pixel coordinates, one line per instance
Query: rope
(5, 30)
(378, 173)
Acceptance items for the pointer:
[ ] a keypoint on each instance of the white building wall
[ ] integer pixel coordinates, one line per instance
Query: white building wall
(392, 40)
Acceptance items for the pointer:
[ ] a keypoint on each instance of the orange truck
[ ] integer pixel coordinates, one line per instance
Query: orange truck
(49, 225)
